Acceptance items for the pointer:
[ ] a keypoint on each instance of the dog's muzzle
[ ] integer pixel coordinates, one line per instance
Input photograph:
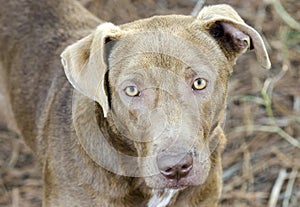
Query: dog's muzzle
(175, 166)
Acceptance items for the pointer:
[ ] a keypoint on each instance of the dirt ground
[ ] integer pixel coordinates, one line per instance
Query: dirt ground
(262, 158)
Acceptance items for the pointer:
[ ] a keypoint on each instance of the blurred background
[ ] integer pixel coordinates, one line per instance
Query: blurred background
(262, 159)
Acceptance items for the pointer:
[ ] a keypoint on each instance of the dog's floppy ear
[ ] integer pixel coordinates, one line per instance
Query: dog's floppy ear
(232, 34)
(85, 66)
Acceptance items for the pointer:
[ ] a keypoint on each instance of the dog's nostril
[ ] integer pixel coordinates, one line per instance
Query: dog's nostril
(171, 168)
(184, 167)
(170, 173)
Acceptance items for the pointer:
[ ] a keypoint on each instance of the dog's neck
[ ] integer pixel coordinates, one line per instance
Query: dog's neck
(119, 142)
(161, 198)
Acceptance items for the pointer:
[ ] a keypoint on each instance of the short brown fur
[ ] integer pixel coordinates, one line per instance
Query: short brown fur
(33, 34)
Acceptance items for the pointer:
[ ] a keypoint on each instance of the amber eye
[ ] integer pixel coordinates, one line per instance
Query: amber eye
(132, 91)
(199, 84)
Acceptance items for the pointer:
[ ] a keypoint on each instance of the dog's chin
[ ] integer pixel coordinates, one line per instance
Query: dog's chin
(160, 182)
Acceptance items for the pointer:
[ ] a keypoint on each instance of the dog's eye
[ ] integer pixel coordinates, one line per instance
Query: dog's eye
(132, 91)
(199, 84)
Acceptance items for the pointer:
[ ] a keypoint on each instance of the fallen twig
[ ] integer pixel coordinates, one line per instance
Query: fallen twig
(289, 188)
(290, 21)
(15, 197)
(277, 188)
(198, 7)
(272, 129)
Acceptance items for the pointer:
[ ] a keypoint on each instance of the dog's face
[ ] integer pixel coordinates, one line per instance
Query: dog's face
(168, 89)
(164, 87)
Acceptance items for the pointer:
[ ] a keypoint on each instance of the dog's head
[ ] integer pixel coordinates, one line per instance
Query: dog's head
(162, 83)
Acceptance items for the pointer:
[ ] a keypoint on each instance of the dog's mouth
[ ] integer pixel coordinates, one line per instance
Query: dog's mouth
(177, 185)
(158, 182)
(195, 177)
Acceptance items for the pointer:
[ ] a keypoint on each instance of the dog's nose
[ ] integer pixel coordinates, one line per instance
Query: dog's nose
(175, 166)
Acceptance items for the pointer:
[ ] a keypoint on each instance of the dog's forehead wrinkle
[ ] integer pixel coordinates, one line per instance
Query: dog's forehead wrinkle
(132, 48)
(161, 22)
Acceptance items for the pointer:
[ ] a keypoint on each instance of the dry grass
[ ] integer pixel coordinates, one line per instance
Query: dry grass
(262, 158)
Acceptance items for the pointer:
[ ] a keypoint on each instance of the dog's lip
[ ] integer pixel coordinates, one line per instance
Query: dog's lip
(178, 185)
(175, 187)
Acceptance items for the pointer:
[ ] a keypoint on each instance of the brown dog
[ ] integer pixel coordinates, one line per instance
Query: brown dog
(143, 126)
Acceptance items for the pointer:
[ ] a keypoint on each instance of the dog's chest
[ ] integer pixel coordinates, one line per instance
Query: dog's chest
(161, 198)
